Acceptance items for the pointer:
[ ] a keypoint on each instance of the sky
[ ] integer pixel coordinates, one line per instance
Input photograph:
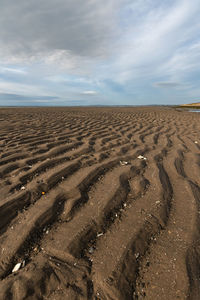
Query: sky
(91, 52)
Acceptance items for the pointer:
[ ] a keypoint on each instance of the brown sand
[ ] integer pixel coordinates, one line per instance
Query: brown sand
(86, 217)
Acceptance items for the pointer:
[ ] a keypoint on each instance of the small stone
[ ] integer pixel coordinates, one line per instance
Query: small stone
(91, 250)
(196, 142)
(137, 255)
(123, 163)
(23, 188)
(141, 157)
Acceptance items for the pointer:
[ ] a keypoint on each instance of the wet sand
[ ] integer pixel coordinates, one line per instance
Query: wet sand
(99, 203)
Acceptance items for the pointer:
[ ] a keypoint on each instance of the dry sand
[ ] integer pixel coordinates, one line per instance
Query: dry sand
(85, 218)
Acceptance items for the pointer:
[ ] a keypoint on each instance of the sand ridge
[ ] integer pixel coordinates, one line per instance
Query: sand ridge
(99, 203)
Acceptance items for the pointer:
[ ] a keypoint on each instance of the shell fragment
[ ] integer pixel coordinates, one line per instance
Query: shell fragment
(16, 267)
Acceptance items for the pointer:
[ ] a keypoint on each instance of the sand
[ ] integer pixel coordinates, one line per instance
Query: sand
(99, 203)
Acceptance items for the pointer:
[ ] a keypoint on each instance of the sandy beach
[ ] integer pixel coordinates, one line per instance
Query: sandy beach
(99, 203)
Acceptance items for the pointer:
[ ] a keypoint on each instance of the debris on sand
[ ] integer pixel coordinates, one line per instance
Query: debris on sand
(123, 163)
(137, 255)
(141, 157)
(91, 250)
(18, 266)
(195, 142)
(23, 188)
(99, 234)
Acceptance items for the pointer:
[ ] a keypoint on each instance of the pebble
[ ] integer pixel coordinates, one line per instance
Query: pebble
(141, 157)
(137, 255)
(123, 163)
(91, 250)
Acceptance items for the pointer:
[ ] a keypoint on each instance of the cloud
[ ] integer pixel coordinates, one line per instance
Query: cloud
(167, 84)
(32, 28)
(129, 51)
(12, 70)
(91, 93)
(8, 97)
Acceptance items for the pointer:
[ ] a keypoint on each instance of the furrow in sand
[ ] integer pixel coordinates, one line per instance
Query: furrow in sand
(39, 217)
(26, 230)
(42, 167)
(46, 209)
(163, 273)
(55, 176)
(40, 186)
(116, 280)
(11, 207)
(192, 256)
(104, 208)
(13, 158)
(6, 170)
(84, 227)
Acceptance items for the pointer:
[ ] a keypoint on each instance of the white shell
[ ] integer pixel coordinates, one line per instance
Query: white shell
(99, 234)
(16, 267)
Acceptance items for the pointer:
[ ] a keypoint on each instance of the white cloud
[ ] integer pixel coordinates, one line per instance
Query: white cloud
(167, 84)
(12, 70)
(151, 40)
(35, 27)
(23, 89)
(115, 47)
(89, 93)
